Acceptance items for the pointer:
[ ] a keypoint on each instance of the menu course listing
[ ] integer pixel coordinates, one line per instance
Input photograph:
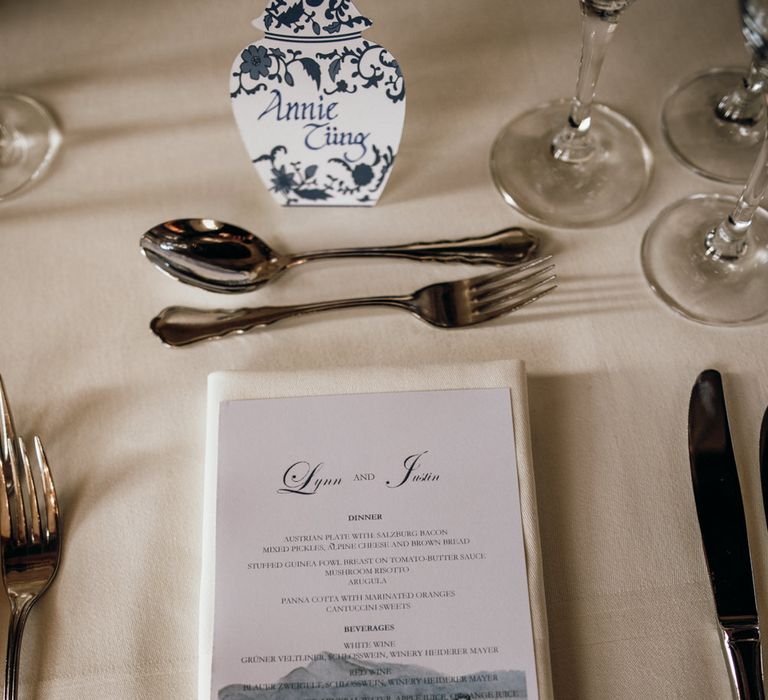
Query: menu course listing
(370, 547)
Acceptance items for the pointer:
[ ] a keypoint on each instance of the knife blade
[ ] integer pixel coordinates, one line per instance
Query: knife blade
(764, 462)
(723, 528)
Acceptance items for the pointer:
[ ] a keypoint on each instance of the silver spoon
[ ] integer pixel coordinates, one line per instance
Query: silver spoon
(223, 258)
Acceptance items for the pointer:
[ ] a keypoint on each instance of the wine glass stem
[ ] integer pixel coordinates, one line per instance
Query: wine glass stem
(745, 105)
(573, 143)
(728, 240)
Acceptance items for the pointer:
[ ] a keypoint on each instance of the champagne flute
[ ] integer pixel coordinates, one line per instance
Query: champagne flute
(706, 256)
(574, 162)
(29, 139)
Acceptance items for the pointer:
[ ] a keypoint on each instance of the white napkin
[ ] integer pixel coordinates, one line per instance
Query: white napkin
(223, 386)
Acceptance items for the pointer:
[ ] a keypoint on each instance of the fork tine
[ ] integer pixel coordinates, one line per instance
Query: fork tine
(5, 510)
(490, 291)
(510, 271)
(503, 295)
(518, 304)
(6, 422)
(34, 509)
(16, 496)
(49, 492)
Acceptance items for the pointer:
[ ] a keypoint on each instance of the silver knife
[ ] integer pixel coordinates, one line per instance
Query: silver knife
(724, 533)
(764, 462)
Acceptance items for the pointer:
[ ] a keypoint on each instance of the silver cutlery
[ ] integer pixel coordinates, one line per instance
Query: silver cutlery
(220, 257)
(30, 542)
(464, 302)
(764, 462)
(724, 534)
(7, 430)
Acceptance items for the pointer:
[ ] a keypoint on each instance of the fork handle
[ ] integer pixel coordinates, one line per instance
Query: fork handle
(183, 325)
(505, 247)
(19, 614)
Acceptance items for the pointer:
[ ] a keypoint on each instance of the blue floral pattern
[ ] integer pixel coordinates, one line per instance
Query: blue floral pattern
(313, 17)
(370, 66)
(334, 100)
(262, 65)
(299, 184)
(365, 65)
(256, 62)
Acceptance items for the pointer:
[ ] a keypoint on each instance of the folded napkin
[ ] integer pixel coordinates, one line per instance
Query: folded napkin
(224, 386)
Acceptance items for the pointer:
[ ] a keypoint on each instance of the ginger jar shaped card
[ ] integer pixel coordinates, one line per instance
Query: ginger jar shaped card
(320, 108)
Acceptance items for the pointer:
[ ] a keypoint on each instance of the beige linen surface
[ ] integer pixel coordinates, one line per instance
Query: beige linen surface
(224, 386)
(141, 91)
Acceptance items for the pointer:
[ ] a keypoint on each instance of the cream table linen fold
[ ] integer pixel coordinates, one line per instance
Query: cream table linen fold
(224, 386)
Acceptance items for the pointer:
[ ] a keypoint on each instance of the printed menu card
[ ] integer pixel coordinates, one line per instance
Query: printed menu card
(370, 546)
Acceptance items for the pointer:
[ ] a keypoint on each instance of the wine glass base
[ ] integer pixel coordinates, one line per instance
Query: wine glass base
(29, 139)
(703, 289)
(710, 146)
(553, 192)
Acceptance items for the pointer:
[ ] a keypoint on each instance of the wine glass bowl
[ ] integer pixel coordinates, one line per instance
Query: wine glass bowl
(573, 162)
(29, 139)
(706, 137)
(691, 279)
(706, 256)
(599, 189)
(715, 122)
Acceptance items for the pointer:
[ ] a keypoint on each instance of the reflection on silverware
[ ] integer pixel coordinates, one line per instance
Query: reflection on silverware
(223, 258)
(724, 533)
(7, 431)
(764, 462)
(464, 302)
(30, 544)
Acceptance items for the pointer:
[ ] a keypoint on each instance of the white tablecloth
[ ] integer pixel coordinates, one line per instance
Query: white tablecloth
(140, 89)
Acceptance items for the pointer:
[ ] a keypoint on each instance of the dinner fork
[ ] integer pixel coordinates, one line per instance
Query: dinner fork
(464, 302)
(30, 545)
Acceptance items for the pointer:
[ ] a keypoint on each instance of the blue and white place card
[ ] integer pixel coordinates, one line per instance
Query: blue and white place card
(370, 546)
(320, 107)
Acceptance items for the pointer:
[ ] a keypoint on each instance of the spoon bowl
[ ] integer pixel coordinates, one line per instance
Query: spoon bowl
(224, 258)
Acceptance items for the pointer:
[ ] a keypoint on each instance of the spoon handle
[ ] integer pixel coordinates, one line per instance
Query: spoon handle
(511, 245)
(182, 325)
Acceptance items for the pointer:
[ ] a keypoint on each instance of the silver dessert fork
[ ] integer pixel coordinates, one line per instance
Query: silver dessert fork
(30, 543)
(464, 302)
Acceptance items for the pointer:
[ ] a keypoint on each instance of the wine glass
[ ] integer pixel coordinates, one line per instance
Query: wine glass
(706, 256)
(29, 139)
(573, 162)
(715, 122)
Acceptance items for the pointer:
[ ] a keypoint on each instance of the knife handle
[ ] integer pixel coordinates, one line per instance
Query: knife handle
(742, 646)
